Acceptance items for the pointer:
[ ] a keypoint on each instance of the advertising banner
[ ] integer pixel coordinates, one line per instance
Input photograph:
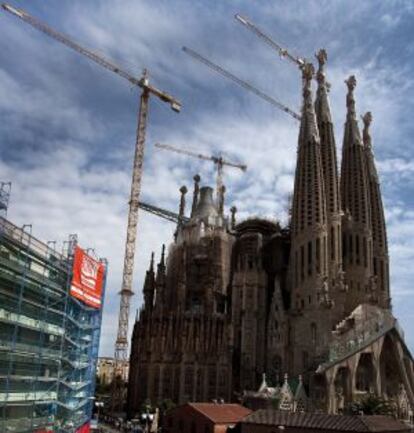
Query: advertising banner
(87, 280)
(84, 429)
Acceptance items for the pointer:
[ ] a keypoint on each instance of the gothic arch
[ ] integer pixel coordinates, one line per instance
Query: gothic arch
(365, 373)
(319, 391)
(390, 374)
(343, 388)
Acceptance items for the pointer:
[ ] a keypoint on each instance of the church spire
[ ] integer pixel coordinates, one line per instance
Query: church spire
(149, 286)
(308, 253)
(357, 232)
(330, 169)
(379, 234)
(160, 281)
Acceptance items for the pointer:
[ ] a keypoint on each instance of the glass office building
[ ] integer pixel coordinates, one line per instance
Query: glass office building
(49, 339)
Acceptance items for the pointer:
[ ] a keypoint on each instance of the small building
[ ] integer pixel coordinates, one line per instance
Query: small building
(272, 421)
(204, 417)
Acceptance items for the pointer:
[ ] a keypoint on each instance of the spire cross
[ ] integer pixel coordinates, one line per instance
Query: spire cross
(366, 136)
(350, 100)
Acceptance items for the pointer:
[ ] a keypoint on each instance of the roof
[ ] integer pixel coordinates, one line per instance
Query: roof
(221, 413)
(360, 423)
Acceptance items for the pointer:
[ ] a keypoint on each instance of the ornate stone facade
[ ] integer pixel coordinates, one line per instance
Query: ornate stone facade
(234, 301)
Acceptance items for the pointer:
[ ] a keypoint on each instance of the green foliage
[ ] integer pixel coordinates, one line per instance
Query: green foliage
(371, 405)
(166, 405)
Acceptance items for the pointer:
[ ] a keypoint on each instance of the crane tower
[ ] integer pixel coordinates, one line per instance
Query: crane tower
(121, 344)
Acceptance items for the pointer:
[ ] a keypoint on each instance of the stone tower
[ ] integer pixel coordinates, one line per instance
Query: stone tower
(309, 241)
(181, 339)
(230, 301)
(379, 234)
(330, 176)
(357, 227)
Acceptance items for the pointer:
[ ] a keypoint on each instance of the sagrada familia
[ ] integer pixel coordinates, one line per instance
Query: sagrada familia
(311, 300)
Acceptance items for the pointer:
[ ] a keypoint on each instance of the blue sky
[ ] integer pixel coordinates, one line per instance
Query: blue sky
(68, 126)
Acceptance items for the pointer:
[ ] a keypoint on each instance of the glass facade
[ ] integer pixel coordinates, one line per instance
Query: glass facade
(48, 339)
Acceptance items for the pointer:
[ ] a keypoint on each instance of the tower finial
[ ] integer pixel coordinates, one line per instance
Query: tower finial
(366, 136)
(152, 262)
(197, 179)
(350, 100)
(308, 71)
(183, 191)
(322, 57)
(233, 211)
(162, 262)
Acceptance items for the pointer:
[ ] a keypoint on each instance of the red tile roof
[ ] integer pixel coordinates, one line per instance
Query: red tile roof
(365, 423)
(221, 413)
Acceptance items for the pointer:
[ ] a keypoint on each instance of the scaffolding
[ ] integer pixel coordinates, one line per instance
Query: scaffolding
(49, 340)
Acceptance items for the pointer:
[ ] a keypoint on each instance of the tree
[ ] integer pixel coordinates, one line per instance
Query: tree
(371, 405)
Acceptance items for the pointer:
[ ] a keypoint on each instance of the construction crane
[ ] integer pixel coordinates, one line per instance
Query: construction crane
(217, 160)
(241, 83)
(121, 344)
(283, 52)
(163, 213)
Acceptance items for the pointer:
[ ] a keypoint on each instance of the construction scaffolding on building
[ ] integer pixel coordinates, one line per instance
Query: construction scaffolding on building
(48, 339)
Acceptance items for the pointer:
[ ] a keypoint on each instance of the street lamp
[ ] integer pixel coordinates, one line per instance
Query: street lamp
(147, 418)
(99, 404)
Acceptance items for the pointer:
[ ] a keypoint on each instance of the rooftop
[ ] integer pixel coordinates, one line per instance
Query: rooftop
(360, 423)
(221, 413)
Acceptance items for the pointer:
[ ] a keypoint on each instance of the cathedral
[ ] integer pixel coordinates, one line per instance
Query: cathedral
(229, 302)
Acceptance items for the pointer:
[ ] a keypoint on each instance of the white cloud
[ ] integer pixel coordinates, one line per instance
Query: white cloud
(72, 124)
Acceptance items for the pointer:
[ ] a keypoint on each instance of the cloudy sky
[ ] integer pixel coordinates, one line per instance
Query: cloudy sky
(67, 126)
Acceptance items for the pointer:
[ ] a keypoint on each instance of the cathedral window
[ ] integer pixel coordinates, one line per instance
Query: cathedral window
(365, 252)
(290, 335)
(357, 239)
(351, 250)
(305, 359)
(156, 382)
(188, 383)
(302, 263)
(313, 333)
(332, 244)
(344, 247)
(310, 258)
(318, 255)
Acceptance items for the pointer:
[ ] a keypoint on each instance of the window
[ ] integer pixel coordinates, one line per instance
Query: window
(313, 333)
(309, 258)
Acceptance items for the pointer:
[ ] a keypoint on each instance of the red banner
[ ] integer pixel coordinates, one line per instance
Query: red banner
(87, 280)
(84, 429)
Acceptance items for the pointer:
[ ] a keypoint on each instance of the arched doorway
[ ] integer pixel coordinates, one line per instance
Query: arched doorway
(365, 377)
(319, 391)
(389, 372)
(343, 392)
